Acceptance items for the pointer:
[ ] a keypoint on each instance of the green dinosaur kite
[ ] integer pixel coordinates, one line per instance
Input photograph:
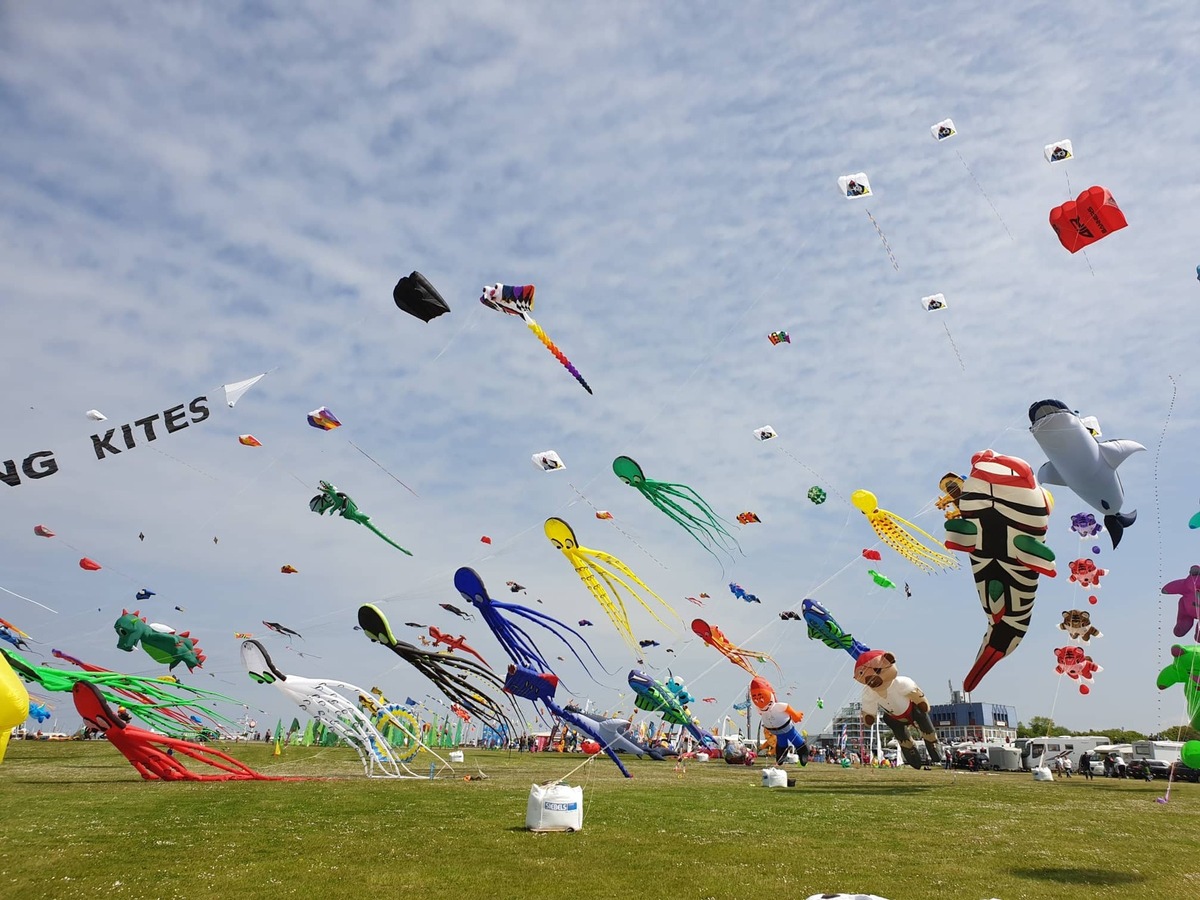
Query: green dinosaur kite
(335, 502)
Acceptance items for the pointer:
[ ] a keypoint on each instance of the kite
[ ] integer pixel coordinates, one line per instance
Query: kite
(414, 295)
(13, 635)
(824, 628)
(338, 503)
(1183, 670)
(1085, 525)
(95, 415)
(695, 600)
(14, 703)
(898, 700)
(872, 554)
(249, 440)
(680, 502)
(708, 699)
(704, 596)
(645, 645)
(144, 594)
(1059, 151)
(1077, 623)
(233, 392)
(951, 487)
(1005, 516)
(42, 531)
(714, 637)
(514, 587)
(943, 130)
(89, 564)
(242, 635)
(740, 592)
(880, 579)
(276, 627)
(1079, 461)
(319, 699)
(858, 187)
(548, 461)
(160, 642)
(454, 643)
(654, 696)
(583, 623)
(141, 535)
(601, 573)
(416, 625)
(790, 615)
(39, 712)
(485, 540)
(323, 419)
(448, 673)
(934, 302)
(518, 301)
(1086, 573)
(288, 570)
(817, 495)
(143, 748)
(778, 337)
(1074, 662)
(1092, 216)
(907, 590)
(765, 433)
(605, 514)
(779, 719)
(451, 608)
(1188, 590)
(748, 518)
(891, 530)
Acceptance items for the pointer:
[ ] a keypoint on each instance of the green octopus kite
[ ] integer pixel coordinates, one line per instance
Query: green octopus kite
(335, 502)
(697, 517)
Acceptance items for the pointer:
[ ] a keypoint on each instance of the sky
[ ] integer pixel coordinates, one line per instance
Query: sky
(192, 195)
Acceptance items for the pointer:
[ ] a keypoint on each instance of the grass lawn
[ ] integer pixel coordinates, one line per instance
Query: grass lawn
(79, 822)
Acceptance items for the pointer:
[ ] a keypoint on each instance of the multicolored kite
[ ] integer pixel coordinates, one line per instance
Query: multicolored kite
(517, 300)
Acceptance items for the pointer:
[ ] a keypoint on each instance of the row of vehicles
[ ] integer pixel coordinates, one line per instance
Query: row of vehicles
(1141, 759)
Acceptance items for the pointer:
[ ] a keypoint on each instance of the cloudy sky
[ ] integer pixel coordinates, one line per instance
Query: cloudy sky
(192, 195)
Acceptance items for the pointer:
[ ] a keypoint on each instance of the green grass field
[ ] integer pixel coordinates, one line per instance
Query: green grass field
(78, 822)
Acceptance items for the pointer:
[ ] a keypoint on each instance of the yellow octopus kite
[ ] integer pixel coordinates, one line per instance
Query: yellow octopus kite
(589, 568)
(891, 530)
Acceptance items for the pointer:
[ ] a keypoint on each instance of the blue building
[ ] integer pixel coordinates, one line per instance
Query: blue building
(963, 720)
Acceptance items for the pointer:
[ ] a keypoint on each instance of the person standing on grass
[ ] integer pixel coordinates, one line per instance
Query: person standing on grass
(1085, 765)
(1066, 766)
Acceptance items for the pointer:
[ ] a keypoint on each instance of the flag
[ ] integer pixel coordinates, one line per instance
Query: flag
(843, 738)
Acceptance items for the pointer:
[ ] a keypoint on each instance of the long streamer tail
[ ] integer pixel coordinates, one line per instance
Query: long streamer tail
(558, 354)
(372, 528)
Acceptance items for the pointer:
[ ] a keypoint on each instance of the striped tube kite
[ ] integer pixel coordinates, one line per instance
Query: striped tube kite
(601, 573)
(892, 531)
(517, 300)
(739, 656)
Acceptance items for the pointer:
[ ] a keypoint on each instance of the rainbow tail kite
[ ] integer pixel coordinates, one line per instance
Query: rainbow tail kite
(558, 354)
(517, 300)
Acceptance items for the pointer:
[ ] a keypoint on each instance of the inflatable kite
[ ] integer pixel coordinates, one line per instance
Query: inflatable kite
(249, 440)
(899, 701)
(601, 573)
(742, 594)
(414, 295)
(89, 565)
(144, 594)
(518, 301)
(1086, 573)
(13, 635)
(872, 554)
(824, 628)
(96, 416)
(156, 757)
(288, 570)
(748, 518)
(680, 503)
(14, 703)
(891, 530)
(951, 487)
(1005, 515)
(1092, 216)
(448, 673)
(1085, 525)
(654, 696)
(739, 656)
(319, 699)
(160, 642)
(42, 531)
(1076, 664)
(1184, 669)
(880, 579)
(338, 503)
(454, 643)
(817, 495)
(1087, 466)
(779, 719)
(280, 629)
(1077, 623)
(1188, 590)
(323, 419)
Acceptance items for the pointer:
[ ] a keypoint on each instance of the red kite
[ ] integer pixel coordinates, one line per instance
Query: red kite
(90, 564)
(1093, 215)
(42, 531)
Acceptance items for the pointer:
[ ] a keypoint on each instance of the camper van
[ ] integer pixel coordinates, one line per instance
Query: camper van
(1164, 750)
(1047, 748)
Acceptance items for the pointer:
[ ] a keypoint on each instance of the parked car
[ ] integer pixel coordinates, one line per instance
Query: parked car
(1186, 773)
(1148, 769)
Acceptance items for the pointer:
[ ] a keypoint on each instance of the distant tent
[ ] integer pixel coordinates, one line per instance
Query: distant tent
(417, 297)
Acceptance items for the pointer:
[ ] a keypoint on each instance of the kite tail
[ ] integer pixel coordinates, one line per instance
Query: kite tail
(386, 538)
(558, 354)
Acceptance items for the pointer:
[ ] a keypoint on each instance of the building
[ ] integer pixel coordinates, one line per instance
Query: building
(963, 720)
(847, 730)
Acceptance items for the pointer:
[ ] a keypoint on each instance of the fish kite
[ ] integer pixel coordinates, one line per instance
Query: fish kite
(1005, 515)
(880, 579)
(680, 502)
(451, 608)
(518, 301)
(602, 573)
(892, 530)
(740, 592)
(323, 419)
(778, 337)
(824, 628)
(144, 594)
(338, 503)
(653, 696)
(42, 531)
(748, 518)
(1082, 463)
(415, 295)
(280, 629)
(739, 656)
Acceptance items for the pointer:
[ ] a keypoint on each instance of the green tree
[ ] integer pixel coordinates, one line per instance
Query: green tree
(1039, 726)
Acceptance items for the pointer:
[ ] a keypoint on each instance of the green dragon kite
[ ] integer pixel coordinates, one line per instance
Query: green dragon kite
(336, 502)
